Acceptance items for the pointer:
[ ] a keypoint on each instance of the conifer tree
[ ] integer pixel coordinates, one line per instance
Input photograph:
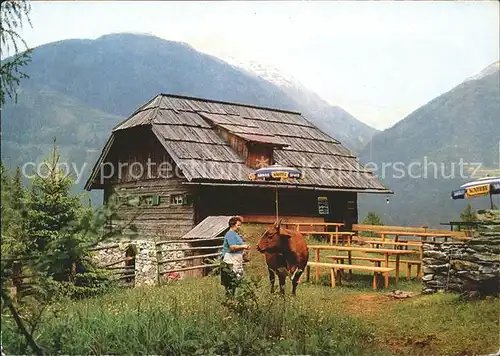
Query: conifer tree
(13, 213)
(468, 214)
(371, 218)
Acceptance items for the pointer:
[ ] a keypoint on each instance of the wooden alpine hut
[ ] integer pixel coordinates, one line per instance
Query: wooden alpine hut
(188, 158)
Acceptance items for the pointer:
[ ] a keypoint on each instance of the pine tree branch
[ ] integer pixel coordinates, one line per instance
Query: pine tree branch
(20, 324)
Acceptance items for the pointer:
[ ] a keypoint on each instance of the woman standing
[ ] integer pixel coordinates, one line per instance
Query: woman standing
(232, 256)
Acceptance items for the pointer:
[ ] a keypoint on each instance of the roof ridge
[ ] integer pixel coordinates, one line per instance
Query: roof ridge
(141, 108)
(230, 103)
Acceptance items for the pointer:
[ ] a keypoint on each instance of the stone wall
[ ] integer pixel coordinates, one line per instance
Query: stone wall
(145, 259)
(172, 251)
(146, 266)
(467, 266)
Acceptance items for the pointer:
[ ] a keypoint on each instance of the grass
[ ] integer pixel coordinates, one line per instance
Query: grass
(193, 317)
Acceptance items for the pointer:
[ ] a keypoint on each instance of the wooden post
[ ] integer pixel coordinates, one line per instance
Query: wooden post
(73, 271)
(397, 267)
(375, 275)
(276, 201)
(316, 257)
(13, 293)
(349, 257)
(332, 277)
(158, 266)
(421, 255)
(386, 273)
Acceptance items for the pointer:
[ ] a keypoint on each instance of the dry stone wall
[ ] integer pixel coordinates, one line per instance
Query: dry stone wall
(146, 261)
(469, 266)
(172, 251)
(145, 258)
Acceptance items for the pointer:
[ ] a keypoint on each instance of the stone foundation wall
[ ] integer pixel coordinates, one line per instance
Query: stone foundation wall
(166, 253)
(145, 259)
(146, 266)
(472, 265)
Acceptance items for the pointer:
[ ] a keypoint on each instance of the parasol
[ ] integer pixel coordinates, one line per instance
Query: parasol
(478, 188)
(275, 173)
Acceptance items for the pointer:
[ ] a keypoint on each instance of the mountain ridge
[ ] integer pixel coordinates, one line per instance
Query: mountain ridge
(356, 133)
(110, 77)
(459, 126)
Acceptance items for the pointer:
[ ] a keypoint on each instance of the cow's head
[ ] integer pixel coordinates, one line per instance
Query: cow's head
(273, 239)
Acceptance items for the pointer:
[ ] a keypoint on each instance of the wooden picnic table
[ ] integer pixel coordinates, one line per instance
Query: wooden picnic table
(422, 235)
(325, 225)
(317, 224)
(331, 233)
(394, 243)
(350, 249)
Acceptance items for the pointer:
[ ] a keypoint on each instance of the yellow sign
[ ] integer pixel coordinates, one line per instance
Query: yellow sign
(478, 191)
(279, 175)
(252, 176)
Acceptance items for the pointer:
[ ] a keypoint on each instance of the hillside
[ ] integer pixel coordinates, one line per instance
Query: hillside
(79, 89)
(462, 125)
(41, 113)
(353, 133)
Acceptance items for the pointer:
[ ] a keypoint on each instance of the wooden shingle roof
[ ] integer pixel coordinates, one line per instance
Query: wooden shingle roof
(211, 227)
(185, 127)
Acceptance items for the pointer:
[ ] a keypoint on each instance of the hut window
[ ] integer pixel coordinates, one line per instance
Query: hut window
(323, 208)
(180, 199)
(150, 199)
(177, 199)
(351, 205)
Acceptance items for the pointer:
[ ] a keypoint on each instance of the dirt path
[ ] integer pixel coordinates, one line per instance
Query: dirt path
(368, 304)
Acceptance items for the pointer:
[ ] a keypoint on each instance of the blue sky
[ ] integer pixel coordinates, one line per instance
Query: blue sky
(378, 60)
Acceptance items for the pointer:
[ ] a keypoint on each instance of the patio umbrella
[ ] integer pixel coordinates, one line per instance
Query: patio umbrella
(478, 188)
(275, 173)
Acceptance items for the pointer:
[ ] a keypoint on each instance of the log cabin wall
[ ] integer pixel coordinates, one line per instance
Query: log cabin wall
(255, 154)
(213, 200)
(343, 208)
(239, 145)
(259, 155)
(137, 155)
(166, 207)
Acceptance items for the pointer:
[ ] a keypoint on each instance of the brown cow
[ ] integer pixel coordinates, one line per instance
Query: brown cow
(286, 254)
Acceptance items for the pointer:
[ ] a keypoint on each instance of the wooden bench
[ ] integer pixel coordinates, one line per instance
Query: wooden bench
(377, 261)
(335, 268)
